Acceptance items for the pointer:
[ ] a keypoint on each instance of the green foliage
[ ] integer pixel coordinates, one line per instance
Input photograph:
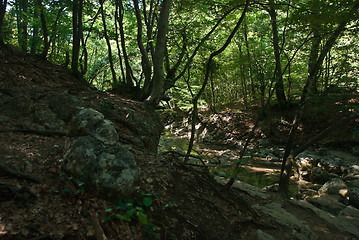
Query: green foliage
(135, 209)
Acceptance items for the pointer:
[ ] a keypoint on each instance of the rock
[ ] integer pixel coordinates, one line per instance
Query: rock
(297, 229)
(344, 224)
(319, 176)
(354, 197)
(245, 187)
(332, 165)
(333, 187)
(354, 183)
(261, 235)
(354, 169)
(48, 120)
(63, 105)
(93, 123)
(329, 203)
(355, 151)
(94, 157)
(350, 212)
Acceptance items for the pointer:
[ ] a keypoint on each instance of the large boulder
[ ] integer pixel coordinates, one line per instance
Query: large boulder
(354, 197)
(95, 157)
(336, 186)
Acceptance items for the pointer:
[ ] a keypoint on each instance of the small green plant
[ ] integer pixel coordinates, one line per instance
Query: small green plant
(130, 209)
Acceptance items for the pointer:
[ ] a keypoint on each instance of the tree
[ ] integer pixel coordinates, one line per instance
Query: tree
(159, 54)
(3, 4)
(77, 8)
(278, 67)
(22, 21)
(313, 70)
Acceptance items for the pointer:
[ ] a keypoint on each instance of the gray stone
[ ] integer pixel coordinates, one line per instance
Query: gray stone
(353, 183)
(350, 212)
(94, 157)
(355, 151)
(345, 224)
(336, 186)
(332, 164)
(245, 187)
(261, 235)
(296, 228)
(329, 203)
(354, 197)
(93, 123)
(47, 120)
(319, 175)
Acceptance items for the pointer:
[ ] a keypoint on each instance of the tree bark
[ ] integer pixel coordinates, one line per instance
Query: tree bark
(208, 66)
(22, 21)
(44, 29)
(287, 158)
(77, 27)
(3, 4)
(146, 64)
(282, 100)
(158, 72)
(114, 79)
(129, 75)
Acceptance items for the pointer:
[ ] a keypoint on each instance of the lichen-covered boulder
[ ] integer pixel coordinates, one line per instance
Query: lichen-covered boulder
(95, 157)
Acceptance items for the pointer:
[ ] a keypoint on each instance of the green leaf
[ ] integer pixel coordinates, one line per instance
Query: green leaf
(130, 212)
(147, 201)
(123, 217)
(142, 218)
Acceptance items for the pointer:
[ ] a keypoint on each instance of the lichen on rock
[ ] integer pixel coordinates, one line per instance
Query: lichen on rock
(95, 157)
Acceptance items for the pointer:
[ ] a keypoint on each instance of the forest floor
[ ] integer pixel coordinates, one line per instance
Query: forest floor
(187, 202)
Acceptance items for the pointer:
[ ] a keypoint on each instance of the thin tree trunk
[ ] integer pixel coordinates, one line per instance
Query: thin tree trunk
(146, 64)
(287, 160)
(208, 68)
(278, 67)
(114, 79)
(22, 21)
(129, 74)
(118, 44)
(158, 72)
(54, 30)
(44, 29)
(3, 4)
(76, 19)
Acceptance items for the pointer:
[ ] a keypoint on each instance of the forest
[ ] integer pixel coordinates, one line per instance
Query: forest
(251, 104)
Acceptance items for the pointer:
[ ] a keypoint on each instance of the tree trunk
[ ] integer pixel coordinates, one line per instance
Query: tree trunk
(22, 21)
(287, 158)
(76, 25)
(159, 54)
(3, 4)
(114, 79)
(279, 88)
(54, 30)
(208, 68)
(313, 57)
(129, 74)
(146, 64)
(44, 29)
(118, 43)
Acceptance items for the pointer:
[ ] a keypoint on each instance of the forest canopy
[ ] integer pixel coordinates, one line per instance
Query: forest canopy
(215, 52)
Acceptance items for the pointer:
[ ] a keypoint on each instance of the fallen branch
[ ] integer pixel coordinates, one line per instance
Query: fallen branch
(18, 174)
